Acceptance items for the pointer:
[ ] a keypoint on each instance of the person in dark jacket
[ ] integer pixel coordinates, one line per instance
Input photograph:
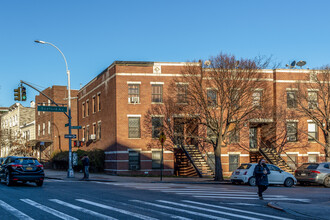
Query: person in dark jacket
(85, 162)
(260, 172)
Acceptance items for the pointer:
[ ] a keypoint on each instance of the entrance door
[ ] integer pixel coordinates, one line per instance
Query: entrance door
(253, 138)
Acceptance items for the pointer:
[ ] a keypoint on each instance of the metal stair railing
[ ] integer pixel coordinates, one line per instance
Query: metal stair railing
(191, 161)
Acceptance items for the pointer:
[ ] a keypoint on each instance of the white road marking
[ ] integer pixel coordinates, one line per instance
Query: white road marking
(179, 210)
(49, 210)
(87, 211)
(14, 211)
(136, 215)
(236, 210)
(158, 212)
(208, 210)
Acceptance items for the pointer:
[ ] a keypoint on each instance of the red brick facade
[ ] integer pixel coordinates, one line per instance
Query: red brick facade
(104, 112)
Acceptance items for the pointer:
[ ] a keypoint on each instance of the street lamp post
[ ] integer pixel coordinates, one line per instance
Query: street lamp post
(70, 170)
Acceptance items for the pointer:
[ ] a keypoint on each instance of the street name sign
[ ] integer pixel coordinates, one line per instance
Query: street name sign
(42, 108)
(70, 136)
(76, 127)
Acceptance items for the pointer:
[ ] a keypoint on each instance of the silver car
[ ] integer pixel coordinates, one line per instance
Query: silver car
(314, 173)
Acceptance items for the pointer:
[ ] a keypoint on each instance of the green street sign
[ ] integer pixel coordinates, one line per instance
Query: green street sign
(42, 108)
(76, 127)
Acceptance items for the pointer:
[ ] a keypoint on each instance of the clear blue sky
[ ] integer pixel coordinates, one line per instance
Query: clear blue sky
(93, 34)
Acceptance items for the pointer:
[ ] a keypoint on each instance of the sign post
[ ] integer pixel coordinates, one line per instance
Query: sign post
(162, 139)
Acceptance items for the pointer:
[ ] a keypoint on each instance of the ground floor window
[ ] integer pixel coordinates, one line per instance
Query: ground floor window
(134, 159)
(313, 158)
(292, 161)
(233, 162)
(156, 159)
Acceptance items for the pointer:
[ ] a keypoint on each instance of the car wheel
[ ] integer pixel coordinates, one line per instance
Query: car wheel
(40, 183)
(8, 181)
(288, 182)
(252, 181)
(327, 181)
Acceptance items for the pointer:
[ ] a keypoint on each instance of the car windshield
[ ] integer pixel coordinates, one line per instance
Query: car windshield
(244, 166)
(309, 166)
(25, 161)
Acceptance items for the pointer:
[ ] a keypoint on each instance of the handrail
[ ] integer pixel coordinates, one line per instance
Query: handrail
(191, 160)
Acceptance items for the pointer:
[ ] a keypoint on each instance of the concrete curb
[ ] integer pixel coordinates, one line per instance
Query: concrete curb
(275, 206)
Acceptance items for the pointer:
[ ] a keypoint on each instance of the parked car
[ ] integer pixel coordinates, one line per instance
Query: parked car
(24, 169)
(2, 159)
(314, 173)
(244, 174)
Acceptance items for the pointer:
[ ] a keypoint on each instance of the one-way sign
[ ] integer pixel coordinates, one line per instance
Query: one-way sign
(70, 136)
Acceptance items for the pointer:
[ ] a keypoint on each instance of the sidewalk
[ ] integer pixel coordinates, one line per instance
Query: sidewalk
(101, 177)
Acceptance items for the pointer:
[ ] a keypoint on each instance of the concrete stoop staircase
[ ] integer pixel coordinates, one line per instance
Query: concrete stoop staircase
(199, 161)
(274, 158)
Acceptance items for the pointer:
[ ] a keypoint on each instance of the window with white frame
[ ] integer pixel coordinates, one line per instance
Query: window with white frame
(134, 127)
(233, 162)
(38, 130)
(133, 93)
(312, 131)
(291, 131)
(43, 128)
(134, 159)
(83, 110)
(312, 99)
(156, 93)
(256, 98)
(182, 93)
(291, 97)
(313, 158)
(99, 130)
(98, 102)
(48, 127)
(157, 124)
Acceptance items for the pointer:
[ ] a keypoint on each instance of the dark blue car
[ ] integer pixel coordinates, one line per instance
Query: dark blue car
(21, 169)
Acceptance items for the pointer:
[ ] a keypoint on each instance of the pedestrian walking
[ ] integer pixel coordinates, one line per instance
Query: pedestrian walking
(85, 162)
(260, 172)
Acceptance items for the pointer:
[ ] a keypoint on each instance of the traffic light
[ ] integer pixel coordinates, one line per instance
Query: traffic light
(23, 95)
(17, 94)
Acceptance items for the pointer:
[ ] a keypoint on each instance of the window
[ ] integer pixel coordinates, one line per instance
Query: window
(312, 100)
(48, 127)
(313, 158)
(233, 162)
(99, 130)
(134, 159)
(83, 110)
(182, 93)
(94, 104)
(292, 161)
(87, 108)
(178, 130)
(133, 93)
(43, 128)
(134, 127)
(99, 102)
(156, 159)
(234, 136)
(212, 97)
(291, 131)
(210, 134)
(256, 98)
(157, 93)
(291, 97)
(38, 130)
(312, 131)
(157, 124)
(84, 133)
(87, 132)
(94, 129)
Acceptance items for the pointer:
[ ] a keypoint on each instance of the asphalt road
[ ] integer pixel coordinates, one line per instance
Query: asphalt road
(65, 199)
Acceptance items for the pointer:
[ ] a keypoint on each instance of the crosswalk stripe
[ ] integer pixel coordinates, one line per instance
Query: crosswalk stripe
(49, 210)
(233, 209)
(14, 211)
(208, 210)
(87, 211)
(179, 210)
(154, 211)
(136, 215)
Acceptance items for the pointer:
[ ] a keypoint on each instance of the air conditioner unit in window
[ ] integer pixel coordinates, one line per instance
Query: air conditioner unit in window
(83, 139)
(134, 100)
(93, 137)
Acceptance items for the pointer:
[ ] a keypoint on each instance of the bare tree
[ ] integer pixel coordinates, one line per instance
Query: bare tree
(313, 100)
(219, 96)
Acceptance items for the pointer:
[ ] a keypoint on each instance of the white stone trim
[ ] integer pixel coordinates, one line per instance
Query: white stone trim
(116, 152)
(138, 115)
(133, 82)
(157, 83)
(292, 120)
(291, 89)
(313, 153)
(150, 151)
(242, 155)
(138, 170)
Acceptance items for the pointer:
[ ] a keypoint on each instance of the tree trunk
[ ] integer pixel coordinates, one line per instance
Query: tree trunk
(218, 165)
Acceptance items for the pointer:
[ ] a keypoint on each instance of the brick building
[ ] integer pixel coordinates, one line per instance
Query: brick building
(111, 109)
(50, 126)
